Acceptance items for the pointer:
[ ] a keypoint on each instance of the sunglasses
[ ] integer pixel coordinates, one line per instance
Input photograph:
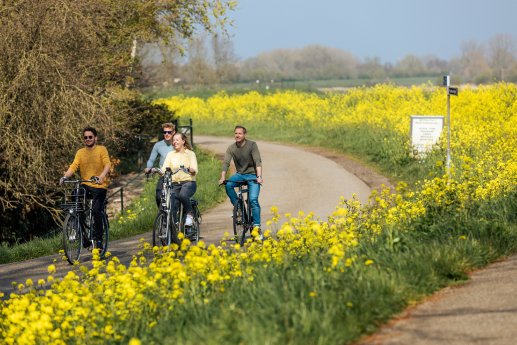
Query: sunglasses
(167, 132)
(86, 137)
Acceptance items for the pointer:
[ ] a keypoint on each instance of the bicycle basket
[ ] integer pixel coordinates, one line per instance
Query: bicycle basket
(74, 201)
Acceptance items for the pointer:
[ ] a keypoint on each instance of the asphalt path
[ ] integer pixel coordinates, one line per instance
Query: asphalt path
(482, 311)
(295, 179)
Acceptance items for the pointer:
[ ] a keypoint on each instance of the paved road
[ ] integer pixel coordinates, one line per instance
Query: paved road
(294, 179)
(483, 311)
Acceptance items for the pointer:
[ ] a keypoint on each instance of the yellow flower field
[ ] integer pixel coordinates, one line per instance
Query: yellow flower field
(111, 302)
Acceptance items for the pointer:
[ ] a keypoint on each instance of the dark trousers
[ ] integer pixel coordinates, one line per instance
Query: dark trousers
(99, 198)
(183, 191)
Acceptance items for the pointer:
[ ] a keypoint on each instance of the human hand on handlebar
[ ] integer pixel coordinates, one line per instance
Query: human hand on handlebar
(185, 170)
(155, 171)
(97, 179)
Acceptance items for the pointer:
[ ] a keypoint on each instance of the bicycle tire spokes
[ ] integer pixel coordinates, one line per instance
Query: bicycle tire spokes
(191, 232)
(239, 221)
(72, 238)
(160, 233)
(196, 231)
(105, 237)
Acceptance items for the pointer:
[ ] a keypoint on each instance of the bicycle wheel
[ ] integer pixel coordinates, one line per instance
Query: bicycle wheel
(72, 238)
(192, 232)
(174, 231)
(196, 230)
(160, 233)
(105, 235)
(239, 222)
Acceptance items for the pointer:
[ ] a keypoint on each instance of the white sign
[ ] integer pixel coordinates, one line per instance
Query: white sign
(425, 132)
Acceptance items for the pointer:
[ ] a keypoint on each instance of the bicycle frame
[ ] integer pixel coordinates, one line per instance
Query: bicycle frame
(242, 216)
(165, 231)
(241, 192)
(78, 223)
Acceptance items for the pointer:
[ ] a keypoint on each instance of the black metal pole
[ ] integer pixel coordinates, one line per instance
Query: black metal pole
(191, 133)
(121, 200)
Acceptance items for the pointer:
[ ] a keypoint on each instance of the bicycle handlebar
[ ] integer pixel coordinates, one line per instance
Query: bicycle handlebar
(93, 179)
(161, 173)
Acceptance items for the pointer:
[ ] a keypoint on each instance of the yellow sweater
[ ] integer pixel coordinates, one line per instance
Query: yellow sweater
(175, 159)
(91, 162)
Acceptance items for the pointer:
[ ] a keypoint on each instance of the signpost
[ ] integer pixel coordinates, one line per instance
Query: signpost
(450, 91)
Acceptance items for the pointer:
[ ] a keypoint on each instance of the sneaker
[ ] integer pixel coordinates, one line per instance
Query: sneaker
(189, 232)
(260, 236)
(98, 245)
(189, 221)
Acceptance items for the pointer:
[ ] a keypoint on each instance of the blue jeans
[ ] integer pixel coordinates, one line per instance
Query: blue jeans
(253, 193)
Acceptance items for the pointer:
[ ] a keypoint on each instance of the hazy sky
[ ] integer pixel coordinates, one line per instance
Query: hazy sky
(388, 29)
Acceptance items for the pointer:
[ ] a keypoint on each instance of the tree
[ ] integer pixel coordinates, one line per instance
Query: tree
(371, 68)
(65, 64)
(311, 62)
(473, 63)
(198, 70)
(161, 65)
(409, 66)
(502, 55)
(224, 59)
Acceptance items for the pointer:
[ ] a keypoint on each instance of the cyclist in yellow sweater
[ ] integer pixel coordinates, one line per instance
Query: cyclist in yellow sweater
(183, 163)
(92, 160)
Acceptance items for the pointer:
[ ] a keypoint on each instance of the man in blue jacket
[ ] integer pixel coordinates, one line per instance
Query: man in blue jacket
(161, 148)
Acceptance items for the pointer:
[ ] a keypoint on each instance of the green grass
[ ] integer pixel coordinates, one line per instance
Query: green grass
(265, 87)
(143, 208)
(298, 302)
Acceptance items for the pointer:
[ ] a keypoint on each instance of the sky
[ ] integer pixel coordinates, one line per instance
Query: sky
(386, 29)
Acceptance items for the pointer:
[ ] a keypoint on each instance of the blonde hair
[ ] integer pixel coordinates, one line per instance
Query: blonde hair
(169, 125)
(184, 138)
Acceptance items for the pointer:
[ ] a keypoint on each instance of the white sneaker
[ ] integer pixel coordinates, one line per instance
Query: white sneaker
(189, 220)
(260, 235)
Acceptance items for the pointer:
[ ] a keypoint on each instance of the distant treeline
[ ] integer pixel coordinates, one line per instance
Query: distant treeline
(211, 60)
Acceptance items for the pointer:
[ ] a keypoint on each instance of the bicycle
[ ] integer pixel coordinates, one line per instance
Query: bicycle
(79, 221)
(242, 216)
(165, 230)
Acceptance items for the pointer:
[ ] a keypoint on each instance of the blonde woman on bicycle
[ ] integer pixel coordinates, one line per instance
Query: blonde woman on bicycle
(183, 163)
